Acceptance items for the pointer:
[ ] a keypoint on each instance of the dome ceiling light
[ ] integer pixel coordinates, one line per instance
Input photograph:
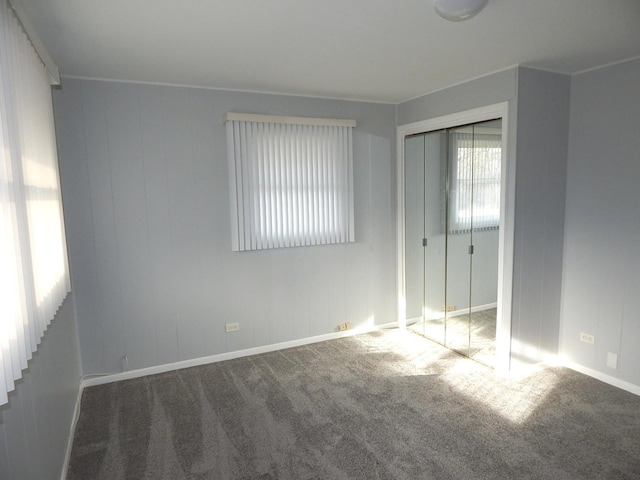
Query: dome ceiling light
(458, 10)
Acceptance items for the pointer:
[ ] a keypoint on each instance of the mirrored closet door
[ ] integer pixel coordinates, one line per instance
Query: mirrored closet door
(452, 218)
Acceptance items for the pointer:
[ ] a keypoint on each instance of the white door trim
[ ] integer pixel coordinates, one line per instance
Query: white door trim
(507, 219)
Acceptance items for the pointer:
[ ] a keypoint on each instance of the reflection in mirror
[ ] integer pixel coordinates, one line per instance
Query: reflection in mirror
(487, 161)
(452, 217)
(414, 225)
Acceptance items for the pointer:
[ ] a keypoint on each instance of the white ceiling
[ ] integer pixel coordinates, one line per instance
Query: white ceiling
(376, 50)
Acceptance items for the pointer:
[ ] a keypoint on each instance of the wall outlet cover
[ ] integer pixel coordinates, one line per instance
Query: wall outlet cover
(587, 338)
(232, 327)
(612, 360)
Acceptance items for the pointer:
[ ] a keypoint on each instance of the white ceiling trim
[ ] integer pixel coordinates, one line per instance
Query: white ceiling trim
(223, 89)
(606, 65)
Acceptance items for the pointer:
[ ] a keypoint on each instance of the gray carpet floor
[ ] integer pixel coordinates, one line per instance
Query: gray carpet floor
(385, 405)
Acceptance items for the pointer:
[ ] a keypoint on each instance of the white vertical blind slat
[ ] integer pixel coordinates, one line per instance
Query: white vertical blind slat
(266, 213)
(340, 232)
(289, 172)
(295, 189)
(264, 204)
(272, 220)
(34, 275)
(233, 186)
(318, 234)
(246, 185)
(249, 169)
(349, 210)
(7, 245)
(273, 191)
(317, 186)
(307, 187)
(17, 338)
(326, 156)
(238, 166)
(258, 224)
(333, 146)
(280, 189)
(256, 172)
(339, 186)
(285, 188)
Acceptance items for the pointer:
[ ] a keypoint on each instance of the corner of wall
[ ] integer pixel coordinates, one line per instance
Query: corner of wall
(542, 140)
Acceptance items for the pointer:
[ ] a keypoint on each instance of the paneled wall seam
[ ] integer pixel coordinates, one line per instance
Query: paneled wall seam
(195, 283)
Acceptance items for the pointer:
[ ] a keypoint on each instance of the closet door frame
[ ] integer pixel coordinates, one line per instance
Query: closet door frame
(507, 219)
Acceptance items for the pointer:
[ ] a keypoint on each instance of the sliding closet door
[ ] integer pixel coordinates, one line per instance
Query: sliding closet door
(474, 161)
(425, 238)
(452, 208)
(459, 241)
(486, 153)
(414, 231)
(435, 238)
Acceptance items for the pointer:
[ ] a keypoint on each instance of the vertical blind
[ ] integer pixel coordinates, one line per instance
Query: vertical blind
(34, 277)
(475, 185)
(291, 181)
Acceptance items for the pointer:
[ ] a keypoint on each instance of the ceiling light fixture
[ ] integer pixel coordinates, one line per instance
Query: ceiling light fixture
(458, 10)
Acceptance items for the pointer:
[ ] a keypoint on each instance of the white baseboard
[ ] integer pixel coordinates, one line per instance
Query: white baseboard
(72, 432)
(477, 308)
(603, 377)
(116, 377)
(453, 313)
(385, 326)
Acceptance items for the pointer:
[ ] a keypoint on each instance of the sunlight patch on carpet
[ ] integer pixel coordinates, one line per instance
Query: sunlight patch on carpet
(514, 397)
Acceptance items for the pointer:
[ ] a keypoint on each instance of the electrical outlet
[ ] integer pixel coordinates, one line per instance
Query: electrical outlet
(344, 326)
(587, 338)
(448, 308)
(232, 327)
(612, 360)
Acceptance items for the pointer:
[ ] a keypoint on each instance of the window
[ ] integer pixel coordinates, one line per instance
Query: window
(475, 180)
(34, 277)
(291, 181)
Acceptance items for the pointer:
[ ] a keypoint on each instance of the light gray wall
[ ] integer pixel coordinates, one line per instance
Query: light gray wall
(601, 259)
(541, 159)
(145, 190)
(538, 130)
(35, 424)
(495, 88)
